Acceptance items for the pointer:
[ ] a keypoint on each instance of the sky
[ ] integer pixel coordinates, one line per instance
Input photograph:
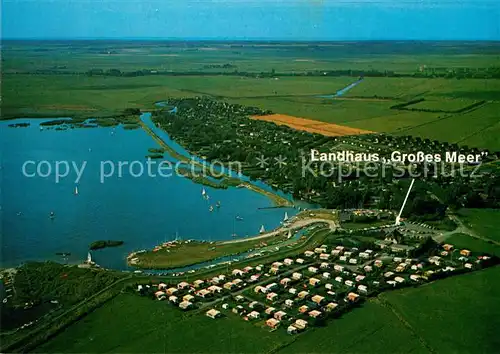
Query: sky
(252, 19)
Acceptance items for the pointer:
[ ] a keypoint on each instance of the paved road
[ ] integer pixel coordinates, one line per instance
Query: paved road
(297, 224)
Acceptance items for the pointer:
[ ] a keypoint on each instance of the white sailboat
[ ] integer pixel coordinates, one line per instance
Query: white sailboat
(262, 229)
(286, 216)
(289, 234)
(203, 192)
(211, 208)
(76, 190)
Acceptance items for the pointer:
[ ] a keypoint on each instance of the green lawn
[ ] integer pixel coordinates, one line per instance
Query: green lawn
(131, 324)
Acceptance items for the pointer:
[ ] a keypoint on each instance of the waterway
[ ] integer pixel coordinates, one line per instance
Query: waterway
(343, 91)
(142, 211)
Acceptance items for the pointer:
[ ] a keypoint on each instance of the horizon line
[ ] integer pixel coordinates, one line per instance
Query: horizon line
(212, 39)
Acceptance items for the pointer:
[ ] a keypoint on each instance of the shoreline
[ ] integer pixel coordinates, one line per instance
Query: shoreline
(247, 245)
(275, 198)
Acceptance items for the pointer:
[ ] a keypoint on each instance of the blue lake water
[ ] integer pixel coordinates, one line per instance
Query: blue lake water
(142, 211)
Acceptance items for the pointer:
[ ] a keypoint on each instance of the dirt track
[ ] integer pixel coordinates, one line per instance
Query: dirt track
(312, 126)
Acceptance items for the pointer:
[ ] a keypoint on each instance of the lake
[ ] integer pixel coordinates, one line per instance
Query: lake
(142, 211)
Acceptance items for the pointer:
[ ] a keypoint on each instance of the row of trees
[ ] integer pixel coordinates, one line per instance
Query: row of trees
(480, 73)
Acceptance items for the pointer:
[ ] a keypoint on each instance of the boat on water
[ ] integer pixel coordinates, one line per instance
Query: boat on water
(52, 215)
(211, 208)
(239, 218)
(76, 190)
(286, 216)
(203, 192)
(262, 229)
(217, 204)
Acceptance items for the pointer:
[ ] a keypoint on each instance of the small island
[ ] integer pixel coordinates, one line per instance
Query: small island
(19, 125)
(96, 245)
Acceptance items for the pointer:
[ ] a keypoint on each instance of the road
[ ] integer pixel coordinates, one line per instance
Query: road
(297, 224)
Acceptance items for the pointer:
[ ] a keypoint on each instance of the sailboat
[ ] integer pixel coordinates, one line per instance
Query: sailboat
(203, 192)
(289, 234)
(286, 216)
(52, 215)
(262, 229)
(76, 190)
(239, 218)
(211, 208)
(217, 204)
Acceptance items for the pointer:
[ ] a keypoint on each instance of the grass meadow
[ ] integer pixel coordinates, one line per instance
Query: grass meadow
(455, 315)
(132, 324)
(486, 222)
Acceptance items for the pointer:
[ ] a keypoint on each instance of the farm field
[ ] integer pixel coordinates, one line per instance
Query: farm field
(153, 326)
(68, 95)
(398, 123)
(285, 56)
(486, 222)
(405, 89)
(449, 105)
(370, 328)
(465, 241)
(69, 92)
(327, 129)
(446, 315)
(460, 128)
(439, 316)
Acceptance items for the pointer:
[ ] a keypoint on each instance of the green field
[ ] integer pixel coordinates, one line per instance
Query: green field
(486, 222)
(465, 128)
(132, 324)
(455, 315)
(369, 329)
(460, 241)
(68, 91)
(448, 105)
(256, 57)
(68, 95)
